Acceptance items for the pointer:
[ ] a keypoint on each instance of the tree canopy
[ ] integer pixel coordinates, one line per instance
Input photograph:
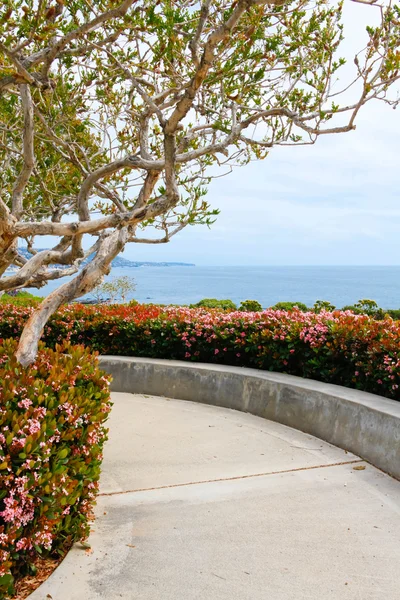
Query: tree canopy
(115, 116)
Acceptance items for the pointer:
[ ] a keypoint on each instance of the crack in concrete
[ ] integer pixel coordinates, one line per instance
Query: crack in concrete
(235, 478)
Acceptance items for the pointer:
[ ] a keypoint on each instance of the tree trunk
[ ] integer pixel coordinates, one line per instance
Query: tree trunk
(87, 279)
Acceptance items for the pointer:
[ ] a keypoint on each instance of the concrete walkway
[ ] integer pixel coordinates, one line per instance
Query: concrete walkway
(199, 502)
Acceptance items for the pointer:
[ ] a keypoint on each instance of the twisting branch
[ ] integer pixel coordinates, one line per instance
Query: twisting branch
(136, 84)
(22, 72)
(194, 42)
(59, 144)
(28, 151)
(220, 35)
(87, 279)
(50, 53)
(147, 189)
(164, 240)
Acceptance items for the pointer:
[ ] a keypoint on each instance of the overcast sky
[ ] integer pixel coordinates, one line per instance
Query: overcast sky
(335, 203)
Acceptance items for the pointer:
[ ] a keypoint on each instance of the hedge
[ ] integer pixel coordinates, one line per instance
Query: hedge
(52, 432)
(338, 347)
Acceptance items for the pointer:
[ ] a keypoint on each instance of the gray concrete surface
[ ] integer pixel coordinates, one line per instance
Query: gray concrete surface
(362, 423)
(200, 502)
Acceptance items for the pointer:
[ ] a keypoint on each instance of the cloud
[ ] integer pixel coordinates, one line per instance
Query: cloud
(334, 203)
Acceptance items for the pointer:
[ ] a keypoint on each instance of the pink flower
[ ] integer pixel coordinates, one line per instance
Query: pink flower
(34, 426)
(216, 351)
(23, 543)
(43, 538)
(26, 403)
(18, 443)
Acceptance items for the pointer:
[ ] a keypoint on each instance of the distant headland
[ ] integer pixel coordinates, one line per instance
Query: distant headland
(124, 262)
(119, 261)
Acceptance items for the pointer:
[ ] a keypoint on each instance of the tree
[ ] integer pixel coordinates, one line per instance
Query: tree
(115, 115)
(117, 287)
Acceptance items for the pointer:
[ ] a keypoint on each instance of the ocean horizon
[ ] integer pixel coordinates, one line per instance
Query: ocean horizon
(340, 285)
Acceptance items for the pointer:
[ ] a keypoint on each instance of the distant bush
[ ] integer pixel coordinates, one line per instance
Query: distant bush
(250, 306)
(323, 305)
(214, 303)
(394, 313)
(51, 437)
(289, 306)
(367, 307)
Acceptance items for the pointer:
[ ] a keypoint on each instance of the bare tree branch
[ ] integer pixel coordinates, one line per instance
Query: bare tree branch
(194, 42)
(28, 151)
(87, 279)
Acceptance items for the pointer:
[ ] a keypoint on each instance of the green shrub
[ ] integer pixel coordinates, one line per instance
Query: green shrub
(20, 299)
(250, 306)
(352, 308)
(214, 303)
(52, 418)
(394, 313)
(290, 306)
(323, 305)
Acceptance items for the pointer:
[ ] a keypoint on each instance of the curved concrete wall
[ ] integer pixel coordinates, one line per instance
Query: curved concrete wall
(362, 423)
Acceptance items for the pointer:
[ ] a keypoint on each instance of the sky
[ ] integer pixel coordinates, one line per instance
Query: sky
(334, 203)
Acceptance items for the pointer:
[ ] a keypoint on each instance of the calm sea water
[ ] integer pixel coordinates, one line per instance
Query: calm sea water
(268, 285)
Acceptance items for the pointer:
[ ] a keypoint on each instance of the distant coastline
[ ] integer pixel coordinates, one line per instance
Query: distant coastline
(119, 262)
(124, 262)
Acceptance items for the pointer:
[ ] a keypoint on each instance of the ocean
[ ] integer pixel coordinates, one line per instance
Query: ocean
(268, 285)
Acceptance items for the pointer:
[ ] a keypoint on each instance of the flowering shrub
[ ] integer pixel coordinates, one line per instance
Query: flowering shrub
(339, 347)
(51, 437)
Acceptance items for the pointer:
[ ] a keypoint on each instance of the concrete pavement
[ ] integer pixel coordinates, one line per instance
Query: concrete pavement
(362, 423)
(200, 502)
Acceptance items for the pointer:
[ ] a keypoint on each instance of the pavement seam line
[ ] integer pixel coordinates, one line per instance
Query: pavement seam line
(235, 478)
